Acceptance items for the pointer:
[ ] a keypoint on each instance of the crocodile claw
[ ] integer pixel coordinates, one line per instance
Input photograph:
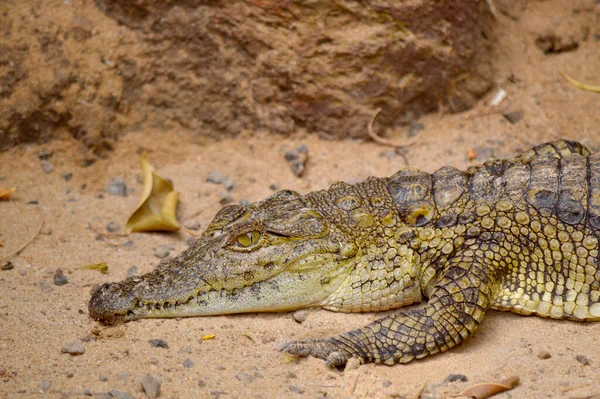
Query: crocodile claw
(326, 349)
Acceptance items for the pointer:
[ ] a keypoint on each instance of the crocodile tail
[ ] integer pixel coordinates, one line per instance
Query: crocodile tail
(555, 149)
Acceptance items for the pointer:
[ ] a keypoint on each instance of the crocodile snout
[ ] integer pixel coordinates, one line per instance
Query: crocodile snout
(110, 304)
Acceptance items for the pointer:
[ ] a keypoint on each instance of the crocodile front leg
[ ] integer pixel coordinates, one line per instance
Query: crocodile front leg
(456, 307)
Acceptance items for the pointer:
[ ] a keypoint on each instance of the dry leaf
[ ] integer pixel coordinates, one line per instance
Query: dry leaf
(5, 193)
(209, 336)
(101, 267)
(158, 204)
(580, 85)
(485, 390)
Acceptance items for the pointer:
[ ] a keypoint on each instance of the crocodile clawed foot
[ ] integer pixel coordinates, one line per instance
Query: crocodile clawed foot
(326, 349)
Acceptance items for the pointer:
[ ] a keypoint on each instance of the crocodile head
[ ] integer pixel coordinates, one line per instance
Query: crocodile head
(276, 255)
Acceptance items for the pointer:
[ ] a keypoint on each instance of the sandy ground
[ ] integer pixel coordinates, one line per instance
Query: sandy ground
(37, 317)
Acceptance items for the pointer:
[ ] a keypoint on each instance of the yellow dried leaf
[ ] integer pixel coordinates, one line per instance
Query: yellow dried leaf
(485, 390)
(580, 85)
(158, 204)
(101, 267)
(5, 193)
(209, 336)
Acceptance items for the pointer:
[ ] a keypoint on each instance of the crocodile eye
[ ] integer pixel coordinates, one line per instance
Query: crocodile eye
(249, 239)
(420, 214)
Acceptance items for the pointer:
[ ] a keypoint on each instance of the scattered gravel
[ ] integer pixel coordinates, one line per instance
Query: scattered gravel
(297, 158)
(188, 363)
(544, 355)
(117, 186)
(113, 226)
(216, 177)
(151, 386)
(47, 166)
(60, 278)
(73, 348)
(158, 343)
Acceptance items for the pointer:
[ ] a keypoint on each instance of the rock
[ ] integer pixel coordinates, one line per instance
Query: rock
(291, 374)
(44, 386)
(112, 226)
(582, 359)
(73, 348)
(216, 177)
(225, 199)
(514, 116)
(386, 383)
(301, 315)
(245, 377)
(163, 251)
(244, 202)
(456, 377)
(47, 166)
(133, 271)
(116, 394)
(151, 386)
(544, 355)
(87, 392)
(103, 378)
(483, 154)
(192, 225)
(60, 278)
(296, 389)
(117, 186)
(188, 363)
(414, 129)
(297, 159)
(550, 43)
(274, 186)
(158, 343)
(201, 383)
(67, 176)
(123, 376)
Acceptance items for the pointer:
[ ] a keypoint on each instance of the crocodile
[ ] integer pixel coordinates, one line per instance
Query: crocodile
(519, 235)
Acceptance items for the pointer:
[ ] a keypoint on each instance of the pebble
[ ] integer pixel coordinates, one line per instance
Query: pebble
(301, 315)
(514, 116)
(163, 251)
(192, 225)
(188, 363)
(44, 386)
(103, 378)
(245, 377)
(414, 129)
(87, 392)
(244, 202)
(456, 377)
(73, 348)
(296, 389)
(216, 177)
(60, 278)
(158, 343)
(582, 359)
(120, 394)
(46, 230)
(225, 199)
(386, 383)
(8, 266)
(67, 176)
(544, 355)
(117, 186)
(47, 166)
(112, 226)
(483, 153)
(151, 386)
(297, 159)
(191, 241)
(274, 186)
(133, 271)
(201, 383)
(291, 374)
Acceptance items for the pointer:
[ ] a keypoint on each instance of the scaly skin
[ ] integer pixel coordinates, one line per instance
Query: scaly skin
(518, 235)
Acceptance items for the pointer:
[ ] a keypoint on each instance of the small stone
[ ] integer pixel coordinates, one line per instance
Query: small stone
(47, 166)
(46, 230)
(483, 153)
(123, 376)
(456, 377)
(386, 383)
(291, 374)
(225, 199)
(120, 394)
(191, 241)
(414, 129)
(163, 251)
(154, 361)
(216, 177)
(133, 271)
(514, 116)
(158, 343)
(117, 186)
(112, 226)
(151, 386)
(352, 364)
(73, 348)
(67, 176)
(87, 392)
(296, 389)
(60, 278)
(274, 186)
(188, 363)
(388, 154)
(44, 386)
(192, 225)
(7, 266)
(103, 378)
(544, 355)
(244, 202)
(582, 359)
(301, 315)
(44, 155)
(70, 375)
(297, 159)
(201, 383)
(187, 349)
(245, 377)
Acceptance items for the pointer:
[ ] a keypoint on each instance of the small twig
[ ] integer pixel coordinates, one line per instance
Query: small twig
(29, 241)
(580, 85)
(567, 389)
(387, 142)
(355, 383)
